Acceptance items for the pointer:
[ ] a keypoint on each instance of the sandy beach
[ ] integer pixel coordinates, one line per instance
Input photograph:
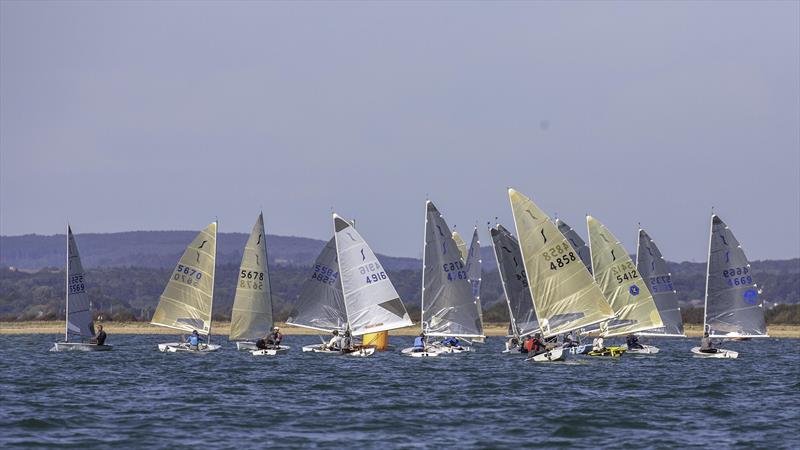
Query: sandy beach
(222, 328)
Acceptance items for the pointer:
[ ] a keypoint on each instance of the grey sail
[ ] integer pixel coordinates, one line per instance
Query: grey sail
(653, 269)
(371, 302)
(251, 317)
(79, 314)
(320, 305)
(734, 307)
(473, 261)
(515, 282)
(448, 308)
(577, 243)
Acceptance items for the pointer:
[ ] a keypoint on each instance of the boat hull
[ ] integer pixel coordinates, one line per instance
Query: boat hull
(180, 347)
(360, 351)
(556, 354)
(415, 352)
(578, 349)
(613, 352)
(271, 351)
(246, 346)
(645, 350)
(79, 347)
(441, 349)
(721, 353)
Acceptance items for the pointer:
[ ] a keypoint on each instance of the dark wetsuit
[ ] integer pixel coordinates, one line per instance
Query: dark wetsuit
(100, 339)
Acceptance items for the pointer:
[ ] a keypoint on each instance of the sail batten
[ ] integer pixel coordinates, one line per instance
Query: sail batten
(514, 281)
(565, 296)
(448, 306)
(654, 271)
(734, 307)
(251, 317)
(187, 300)
(621, 284)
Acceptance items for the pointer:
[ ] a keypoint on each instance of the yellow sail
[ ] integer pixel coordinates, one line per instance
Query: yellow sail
(462, 246)
(621, 283)
(564, 294)
(380, 340)
(187, 300)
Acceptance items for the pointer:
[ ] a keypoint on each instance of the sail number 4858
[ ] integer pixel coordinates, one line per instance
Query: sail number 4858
(559, 255)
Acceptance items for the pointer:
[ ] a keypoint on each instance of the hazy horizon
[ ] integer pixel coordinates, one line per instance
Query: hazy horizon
(129, 116)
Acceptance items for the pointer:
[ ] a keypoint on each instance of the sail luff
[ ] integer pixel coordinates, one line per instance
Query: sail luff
(708, 272)
(66, 289)
(474, 272)
(564, 294)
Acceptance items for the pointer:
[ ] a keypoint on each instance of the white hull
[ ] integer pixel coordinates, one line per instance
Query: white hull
(450, 350)
(428, 352)
(271, 351)
(79, 347)
(647, 350)
(721, 353)
(246, 345)
(358, 352)
(179, 347)
(556, 354)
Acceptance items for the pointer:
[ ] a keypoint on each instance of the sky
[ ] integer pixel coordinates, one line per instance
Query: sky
(120, 116)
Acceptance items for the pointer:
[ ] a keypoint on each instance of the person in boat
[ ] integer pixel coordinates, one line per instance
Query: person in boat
(512, 343)
(419, 343)
(451, 342)
(336, 341)
(275, 338)
(100, 337)
(598, 344)
(568, 341)
(633, 341)
(194, 340)
(347, 342)
(706, 344)
(537, 345)
(527, 343)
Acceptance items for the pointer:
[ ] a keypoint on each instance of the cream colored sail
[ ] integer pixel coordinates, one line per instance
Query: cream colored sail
(462, 246)
(251, 317)
(187, 300)
(564, 294)
(621, 283)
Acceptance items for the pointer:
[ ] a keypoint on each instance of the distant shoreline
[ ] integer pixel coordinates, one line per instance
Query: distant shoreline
(223, 328)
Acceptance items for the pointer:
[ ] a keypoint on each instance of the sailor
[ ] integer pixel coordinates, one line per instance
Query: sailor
(100, 337)
(347, 342)
(275, 337)
(419, 343)
(336, 341)
(526, 346)
(633, 341)
(537, 345)
(568, 342)
(706, 345)
(261, 344)
(450, 342)
(512, 343)
(194, 340)
(598, 344)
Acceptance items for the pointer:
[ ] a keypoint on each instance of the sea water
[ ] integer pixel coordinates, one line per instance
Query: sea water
(136, 397)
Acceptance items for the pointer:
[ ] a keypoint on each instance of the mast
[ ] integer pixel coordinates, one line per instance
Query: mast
(266, 268)
(66, 291)
(513, 320)
(341, 282)
(708, 268)
(424, 249)
(213, 280)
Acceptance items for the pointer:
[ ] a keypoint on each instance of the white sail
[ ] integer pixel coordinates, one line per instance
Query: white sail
(448, 308)
(188, 297)
(564, 294)
(622, 286)
(320, 305)
(79, 314)
(251, 317)
(371, 301)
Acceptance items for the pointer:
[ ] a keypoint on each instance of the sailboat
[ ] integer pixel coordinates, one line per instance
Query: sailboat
(653, 270)
(188, 298)
(522, 316)
(448, 306)
(623, 287)
(565, 296)
(79, 309)
(348, 291)
(733, 307)
(251, 317)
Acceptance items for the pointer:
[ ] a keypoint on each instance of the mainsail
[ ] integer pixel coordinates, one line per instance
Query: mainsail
(622, 286)
(251, 317)
(188, 298)
(653, 269)
(79, 314)
(320, 305)
(733, 307)
(565, 296)
(448, 308)
(514, 281)
(370, 299)
(576, 242)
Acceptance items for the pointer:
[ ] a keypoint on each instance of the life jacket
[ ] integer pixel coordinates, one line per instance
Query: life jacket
(529, 345)
(418, 342)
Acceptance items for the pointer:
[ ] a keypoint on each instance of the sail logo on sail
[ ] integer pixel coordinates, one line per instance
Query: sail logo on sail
(751, 297)
(634, 290)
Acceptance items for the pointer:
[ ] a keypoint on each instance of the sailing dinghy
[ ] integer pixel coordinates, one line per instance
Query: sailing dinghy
(565, 296)
(449, 309)
(188, 298)
(79, 309)
(522, 317)
(251, 317)
(733, 306)
(349, 291)
(654, 272)
(622, 286)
